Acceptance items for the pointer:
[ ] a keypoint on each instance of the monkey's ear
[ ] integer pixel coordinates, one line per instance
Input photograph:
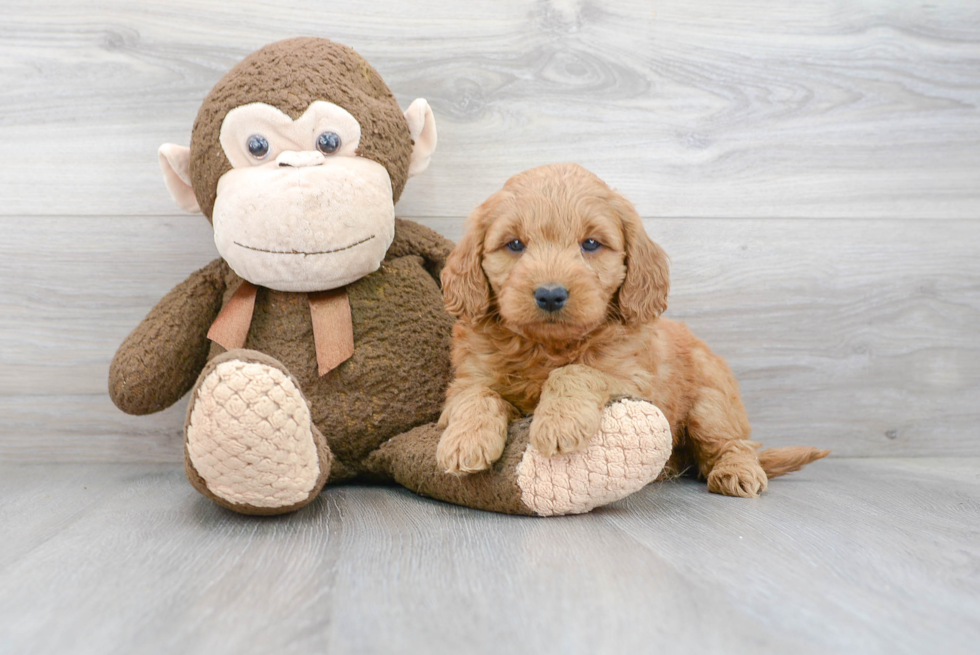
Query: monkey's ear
(422, 126)
(175, 161)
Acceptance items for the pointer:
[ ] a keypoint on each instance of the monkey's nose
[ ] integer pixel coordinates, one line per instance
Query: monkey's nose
(299, 158)
(551, 297)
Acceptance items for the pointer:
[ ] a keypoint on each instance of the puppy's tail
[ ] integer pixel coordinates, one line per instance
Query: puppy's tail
(780, 461)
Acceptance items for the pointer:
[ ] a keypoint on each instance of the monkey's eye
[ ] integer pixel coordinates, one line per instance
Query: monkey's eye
(515, 246)
(590, 245)
(328, 143)
(258, 146)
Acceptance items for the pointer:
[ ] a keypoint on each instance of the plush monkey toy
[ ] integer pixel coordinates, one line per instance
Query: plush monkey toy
(316, 349)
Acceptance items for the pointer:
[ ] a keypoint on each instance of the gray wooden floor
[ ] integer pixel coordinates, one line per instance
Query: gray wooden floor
(849, 556)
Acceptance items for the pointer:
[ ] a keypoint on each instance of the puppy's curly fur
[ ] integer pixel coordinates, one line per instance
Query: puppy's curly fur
(560, 226)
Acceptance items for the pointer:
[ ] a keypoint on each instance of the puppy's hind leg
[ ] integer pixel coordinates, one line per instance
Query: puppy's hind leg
(718, 434)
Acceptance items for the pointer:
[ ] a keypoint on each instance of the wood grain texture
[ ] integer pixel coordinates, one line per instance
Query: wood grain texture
(856, 556)
(744, 131)
(858, 336)
(720, 108)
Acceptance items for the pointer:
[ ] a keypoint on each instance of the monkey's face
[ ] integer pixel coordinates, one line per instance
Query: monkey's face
(299, 210)
(300, 190)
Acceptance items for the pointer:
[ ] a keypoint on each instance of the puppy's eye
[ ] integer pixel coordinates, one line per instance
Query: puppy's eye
(515, 246)
(590, 245)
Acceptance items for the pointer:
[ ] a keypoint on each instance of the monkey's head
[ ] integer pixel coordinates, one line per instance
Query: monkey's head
(297, 157)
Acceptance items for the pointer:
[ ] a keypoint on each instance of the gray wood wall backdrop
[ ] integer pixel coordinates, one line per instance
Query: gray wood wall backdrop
(812, 168)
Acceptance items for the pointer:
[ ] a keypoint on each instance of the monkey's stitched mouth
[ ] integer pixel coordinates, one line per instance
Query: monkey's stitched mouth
(300, 252)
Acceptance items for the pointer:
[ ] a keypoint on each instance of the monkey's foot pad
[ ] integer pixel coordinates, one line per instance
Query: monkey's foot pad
(629, 451)
(250, 437)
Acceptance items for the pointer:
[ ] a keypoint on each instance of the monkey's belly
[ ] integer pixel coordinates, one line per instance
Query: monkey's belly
(397, 377)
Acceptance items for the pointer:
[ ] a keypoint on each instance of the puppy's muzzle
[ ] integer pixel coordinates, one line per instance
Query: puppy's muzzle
(551, 297)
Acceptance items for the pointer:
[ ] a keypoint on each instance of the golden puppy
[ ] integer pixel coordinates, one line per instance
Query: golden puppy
(558, 291)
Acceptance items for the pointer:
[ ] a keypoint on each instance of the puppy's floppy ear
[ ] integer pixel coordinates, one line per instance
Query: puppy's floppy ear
(464, 284)
(643, 295)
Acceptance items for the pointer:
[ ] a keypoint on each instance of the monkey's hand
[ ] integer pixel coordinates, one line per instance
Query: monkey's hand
(160, 360)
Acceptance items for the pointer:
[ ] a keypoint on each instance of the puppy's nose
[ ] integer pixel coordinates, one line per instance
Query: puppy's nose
(551, 297)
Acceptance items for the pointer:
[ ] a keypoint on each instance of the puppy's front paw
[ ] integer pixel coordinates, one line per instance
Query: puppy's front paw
(737, 477)
(469, 449)
(562, 426)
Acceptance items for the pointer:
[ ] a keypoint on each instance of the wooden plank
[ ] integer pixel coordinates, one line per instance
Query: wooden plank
(871, 556)
(858, 336)
(716, 108)
(842, 555)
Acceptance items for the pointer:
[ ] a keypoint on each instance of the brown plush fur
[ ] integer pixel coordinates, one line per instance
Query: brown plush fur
(409, 459)
(401, 333)
(289, 75)
(160, 360)
(512, 357)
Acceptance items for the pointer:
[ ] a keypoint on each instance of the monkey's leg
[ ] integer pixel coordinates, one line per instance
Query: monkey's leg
(249, 442)
(628, 452)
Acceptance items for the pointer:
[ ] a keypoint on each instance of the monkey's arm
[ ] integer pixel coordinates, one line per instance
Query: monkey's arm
(160, 360)
(414, 239)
